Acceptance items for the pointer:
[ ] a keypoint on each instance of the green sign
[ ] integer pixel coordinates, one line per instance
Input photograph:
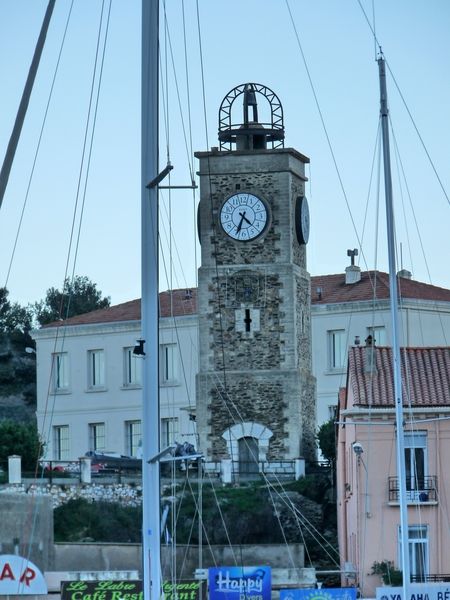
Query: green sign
(183, 590)
(128, 590)
(102, 590)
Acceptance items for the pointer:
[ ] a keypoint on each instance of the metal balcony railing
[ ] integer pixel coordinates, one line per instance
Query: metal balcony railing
(429, 578)
(418, 489)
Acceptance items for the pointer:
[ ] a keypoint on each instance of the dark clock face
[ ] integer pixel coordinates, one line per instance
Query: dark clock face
(244, 216)
(302, 220)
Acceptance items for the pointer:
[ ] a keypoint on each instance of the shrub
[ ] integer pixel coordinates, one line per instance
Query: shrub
(80, 520)
(389, 574)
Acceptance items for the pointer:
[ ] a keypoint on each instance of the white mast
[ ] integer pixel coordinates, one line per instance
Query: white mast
(149, 304)
(400, 441)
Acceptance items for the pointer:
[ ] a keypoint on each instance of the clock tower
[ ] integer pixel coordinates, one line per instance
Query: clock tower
(255, 388)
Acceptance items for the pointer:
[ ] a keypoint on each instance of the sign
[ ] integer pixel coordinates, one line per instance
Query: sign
(128, 590)
(124, 589)
(417, 591)
(240, 583)
(322, 594)
(183, 590)
(19, 576)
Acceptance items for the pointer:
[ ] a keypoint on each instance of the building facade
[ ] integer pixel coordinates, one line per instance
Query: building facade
(76, 413)
(89, 381)
(367, 474)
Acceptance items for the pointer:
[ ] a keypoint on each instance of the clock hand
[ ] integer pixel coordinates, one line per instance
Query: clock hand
(244, 218)
(239, 227)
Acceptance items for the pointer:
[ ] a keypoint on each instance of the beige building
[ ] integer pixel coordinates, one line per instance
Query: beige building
(88, 379)
(367, 475)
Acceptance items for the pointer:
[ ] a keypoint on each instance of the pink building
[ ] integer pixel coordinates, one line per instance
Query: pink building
(367, 482)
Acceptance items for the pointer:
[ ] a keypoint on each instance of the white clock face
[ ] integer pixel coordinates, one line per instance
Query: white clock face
(243, 216)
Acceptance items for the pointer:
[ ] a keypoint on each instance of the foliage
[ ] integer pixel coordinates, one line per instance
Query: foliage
(242, 515)
(21, 439)
(326, 438)
(389, 574)
(314, 487)
(79, 295)
(80, 520)
(15, 322)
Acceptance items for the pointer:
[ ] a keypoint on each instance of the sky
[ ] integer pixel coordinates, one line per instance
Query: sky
(321, 64)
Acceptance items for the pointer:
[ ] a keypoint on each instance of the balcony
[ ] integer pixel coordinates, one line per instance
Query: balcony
(419, 490)
(429, 578)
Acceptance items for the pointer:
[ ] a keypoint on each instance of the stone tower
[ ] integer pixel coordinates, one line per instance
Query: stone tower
(255, 389)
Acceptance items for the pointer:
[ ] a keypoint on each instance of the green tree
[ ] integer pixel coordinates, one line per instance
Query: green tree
(326, 438)
(21, 439)
(79, 295)
(80, 520)
(13, 317)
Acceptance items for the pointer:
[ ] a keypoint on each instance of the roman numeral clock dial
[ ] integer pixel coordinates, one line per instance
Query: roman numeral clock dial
(244, 216)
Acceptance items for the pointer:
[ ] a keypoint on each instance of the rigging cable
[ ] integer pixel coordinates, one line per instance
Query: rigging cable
(238, 418)
(18, 125)
(322, 120)
(170, 240)
(63, 295)
(44, 438)
(213, 221)
(407, 108)
(183, 126)
(398, 158)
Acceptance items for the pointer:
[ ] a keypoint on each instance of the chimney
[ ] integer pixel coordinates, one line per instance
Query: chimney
(353, 272)
(405, 274)
(371, 357)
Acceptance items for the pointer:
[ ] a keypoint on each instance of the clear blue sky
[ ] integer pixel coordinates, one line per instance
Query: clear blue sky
(242, 40)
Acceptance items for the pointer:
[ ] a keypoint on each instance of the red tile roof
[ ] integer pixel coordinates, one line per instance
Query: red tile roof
(373, 285)
(176, 303)
(425, 374)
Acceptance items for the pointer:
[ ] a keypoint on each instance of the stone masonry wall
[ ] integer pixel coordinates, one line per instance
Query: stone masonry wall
(258, 373)
(124, 494)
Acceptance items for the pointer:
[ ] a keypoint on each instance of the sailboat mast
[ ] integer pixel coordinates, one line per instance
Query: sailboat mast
(151, 536)
(400, 438)
(23, 106)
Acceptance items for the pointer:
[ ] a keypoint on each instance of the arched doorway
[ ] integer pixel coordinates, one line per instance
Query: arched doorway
(247, 444)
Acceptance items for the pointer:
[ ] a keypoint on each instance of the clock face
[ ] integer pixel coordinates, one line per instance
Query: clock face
(302, 220)
(244, 216)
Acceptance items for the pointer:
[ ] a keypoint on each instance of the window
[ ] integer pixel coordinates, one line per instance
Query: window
(61, 442)
(378, 334)
(169, 363)
(96, 368)
(133, 443)
(133, 368)
(61, 371)
(415, 463)
(337, 341)
(418, 550)
(97, 437)
(169, 432)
